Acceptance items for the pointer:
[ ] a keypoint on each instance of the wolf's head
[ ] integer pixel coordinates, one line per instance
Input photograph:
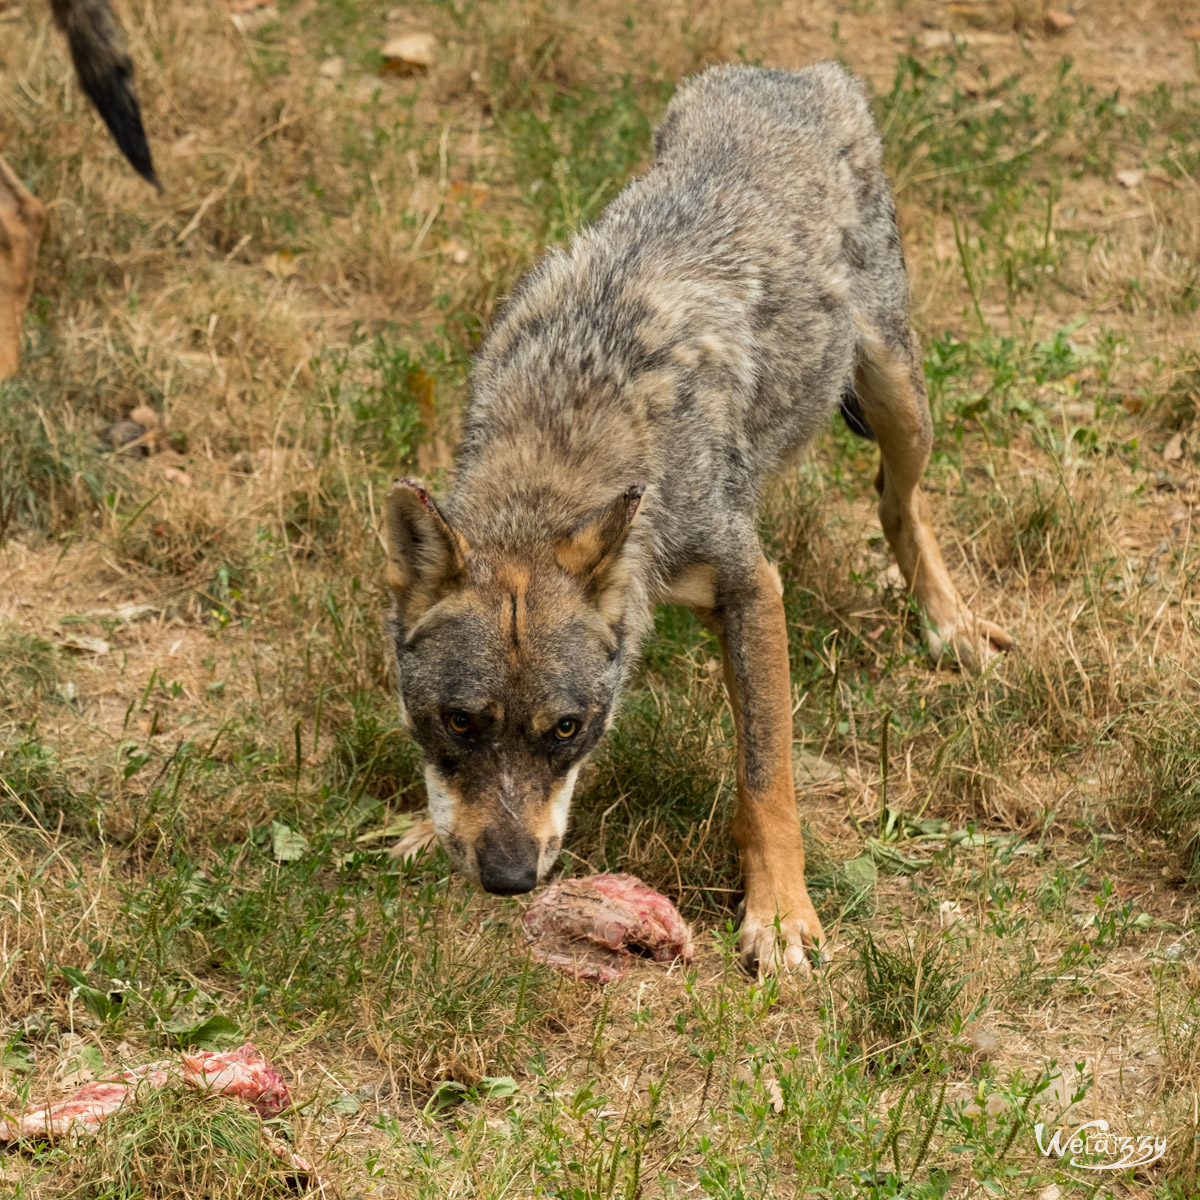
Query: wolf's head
(510, 664)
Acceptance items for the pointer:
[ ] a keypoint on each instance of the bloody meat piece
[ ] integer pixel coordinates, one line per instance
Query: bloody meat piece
(242, 1073)
(86, 1109)
(583, 927)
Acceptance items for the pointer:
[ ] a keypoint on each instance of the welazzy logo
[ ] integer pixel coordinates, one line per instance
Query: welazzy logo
(1092, 1140)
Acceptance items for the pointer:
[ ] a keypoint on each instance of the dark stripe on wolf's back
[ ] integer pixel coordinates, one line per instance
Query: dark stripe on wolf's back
(106, 75)
(854, 416)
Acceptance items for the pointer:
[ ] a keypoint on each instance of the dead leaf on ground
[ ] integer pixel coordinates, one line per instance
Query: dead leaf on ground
(282, 264)
(744, 1073)
(812, 768)
(332, 68)
(983, 1041)
(1192, 33)
(974, 12)
(126, 614)
(76, 1079)
(1173, 450)
(475, 194)
(458, 255)
(1058, 21)
(773, 1090)
(1130, 178)
(185, 146)
(82, 644)
(409, 54)
(145, 415)
(936, 39)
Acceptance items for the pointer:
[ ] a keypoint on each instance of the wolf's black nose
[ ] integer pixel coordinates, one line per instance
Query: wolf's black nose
(507, 866)
(507, 879)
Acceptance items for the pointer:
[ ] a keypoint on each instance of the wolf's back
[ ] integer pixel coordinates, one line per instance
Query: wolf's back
(106, 73)
(786, 128)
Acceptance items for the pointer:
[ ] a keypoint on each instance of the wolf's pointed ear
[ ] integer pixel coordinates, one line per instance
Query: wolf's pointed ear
(426, 556)
(592, 548)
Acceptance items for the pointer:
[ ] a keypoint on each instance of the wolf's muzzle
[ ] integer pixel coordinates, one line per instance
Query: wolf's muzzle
(508, 865)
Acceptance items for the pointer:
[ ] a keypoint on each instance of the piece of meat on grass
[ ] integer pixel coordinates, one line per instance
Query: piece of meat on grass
(658, 928)
(242, 1073)
(586, 927)
(86, 1109)
(582, 960)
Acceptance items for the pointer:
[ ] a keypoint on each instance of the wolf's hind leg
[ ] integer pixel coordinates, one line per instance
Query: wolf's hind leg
(891, 387)
(22, 220)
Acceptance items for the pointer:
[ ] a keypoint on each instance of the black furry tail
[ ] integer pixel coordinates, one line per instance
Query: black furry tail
(854, 416)
(106, 74)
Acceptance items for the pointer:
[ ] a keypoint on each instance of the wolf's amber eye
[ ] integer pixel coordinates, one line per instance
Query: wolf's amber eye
(459, 723)
(565, 729)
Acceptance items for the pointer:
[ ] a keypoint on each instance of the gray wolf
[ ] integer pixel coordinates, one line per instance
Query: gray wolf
(637, 392)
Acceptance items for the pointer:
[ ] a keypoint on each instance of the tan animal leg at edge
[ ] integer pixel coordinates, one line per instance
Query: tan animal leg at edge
(22, 220)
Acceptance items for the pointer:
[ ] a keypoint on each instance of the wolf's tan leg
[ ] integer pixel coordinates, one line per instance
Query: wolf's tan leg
(892, 391)
(22, 219)
(766, 827)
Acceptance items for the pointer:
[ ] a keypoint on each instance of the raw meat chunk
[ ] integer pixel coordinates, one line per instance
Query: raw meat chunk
(85, 1110)
(242, 1073)
(583, 927)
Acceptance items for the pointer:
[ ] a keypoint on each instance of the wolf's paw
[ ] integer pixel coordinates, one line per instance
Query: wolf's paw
(771, 941)
(973, 642)
(422, 836)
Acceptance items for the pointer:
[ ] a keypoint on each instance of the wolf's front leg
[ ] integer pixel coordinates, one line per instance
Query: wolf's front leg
(753, 635)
